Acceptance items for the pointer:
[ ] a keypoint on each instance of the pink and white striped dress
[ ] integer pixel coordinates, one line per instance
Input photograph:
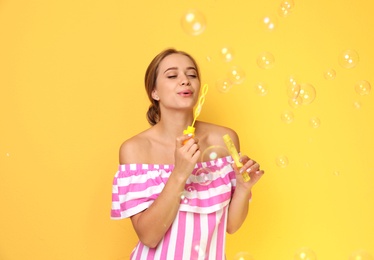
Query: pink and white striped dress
(199, 229)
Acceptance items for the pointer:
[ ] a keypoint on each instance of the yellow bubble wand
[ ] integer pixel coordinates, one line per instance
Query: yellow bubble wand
(191, 129)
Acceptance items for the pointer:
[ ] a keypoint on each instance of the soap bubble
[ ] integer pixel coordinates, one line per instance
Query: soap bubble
(236, 75)
(188, 194)
(307, 93)
(198, 250)
(190, 189)
(295, 102)
(361, 255)
(193, 22)
(227, 54)
(357, 104)
(214, 152)
(203, 176)
(184, 198)
(293, 87)
(261, 88)
(285, 8)
(265, 60)
(329, 74)
(293, 91)
(269, 22)
(362, 87)
(305, 254)
(348, 59)
(243, 256)
(287, 116)
(223, 85)
(315, 122)
(281, 161)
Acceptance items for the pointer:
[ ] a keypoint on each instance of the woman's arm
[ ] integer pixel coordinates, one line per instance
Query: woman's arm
(152, 224)
(238, 208)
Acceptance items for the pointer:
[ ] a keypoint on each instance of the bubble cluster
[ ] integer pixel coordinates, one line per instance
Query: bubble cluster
(193, 22)
(299, 93)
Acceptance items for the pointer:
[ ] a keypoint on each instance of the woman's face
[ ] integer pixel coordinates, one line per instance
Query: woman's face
(177, 84)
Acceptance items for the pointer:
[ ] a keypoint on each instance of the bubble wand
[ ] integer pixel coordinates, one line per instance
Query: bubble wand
(191, 129)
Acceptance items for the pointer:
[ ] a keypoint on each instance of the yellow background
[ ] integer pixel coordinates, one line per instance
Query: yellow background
(71, 81)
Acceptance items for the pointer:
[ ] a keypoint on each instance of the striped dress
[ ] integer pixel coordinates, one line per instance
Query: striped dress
(199, 229)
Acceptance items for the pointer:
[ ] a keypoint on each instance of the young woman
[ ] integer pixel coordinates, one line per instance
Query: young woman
(159, 183)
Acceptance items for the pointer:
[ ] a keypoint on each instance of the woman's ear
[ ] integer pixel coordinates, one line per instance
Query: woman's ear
(154, 95)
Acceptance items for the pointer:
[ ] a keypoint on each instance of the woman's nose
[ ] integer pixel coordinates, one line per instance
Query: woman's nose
(185, 81)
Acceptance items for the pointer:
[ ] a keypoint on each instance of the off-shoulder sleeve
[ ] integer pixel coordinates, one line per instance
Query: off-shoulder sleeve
(135, 188)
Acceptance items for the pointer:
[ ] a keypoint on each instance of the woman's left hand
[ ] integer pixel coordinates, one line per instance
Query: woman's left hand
(252, 168)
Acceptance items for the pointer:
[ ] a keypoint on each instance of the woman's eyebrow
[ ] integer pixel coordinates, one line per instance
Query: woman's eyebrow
(175, 68)
(191, 68)
(171, 68)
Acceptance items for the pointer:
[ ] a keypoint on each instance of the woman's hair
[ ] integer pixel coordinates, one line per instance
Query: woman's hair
(154, 113)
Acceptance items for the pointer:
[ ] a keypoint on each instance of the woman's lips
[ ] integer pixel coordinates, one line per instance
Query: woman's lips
(185, 93)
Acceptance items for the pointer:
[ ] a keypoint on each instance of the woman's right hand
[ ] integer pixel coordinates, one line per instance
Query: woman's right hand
(152, 224)
(186, 155)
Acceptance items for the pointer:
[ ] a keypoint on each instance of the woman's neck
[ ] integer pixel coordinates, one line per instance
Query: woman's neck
(172, 125)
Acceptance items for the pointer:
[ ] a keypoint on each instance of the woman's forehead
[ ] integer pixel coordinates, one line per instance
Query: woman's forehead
(177, 61)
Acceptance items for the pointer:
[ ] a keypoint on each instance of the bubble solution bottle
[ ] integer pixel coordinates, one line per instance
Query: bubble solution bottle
(235, 155)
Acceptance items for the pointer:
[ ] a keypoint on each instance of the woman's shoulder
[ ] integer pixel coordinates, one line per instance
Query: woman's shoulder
(132, 150)
(215, 127)
(214, 133)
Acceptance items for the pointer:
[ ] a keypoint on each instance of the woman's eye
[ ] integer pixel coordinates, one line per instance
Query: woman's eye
(192, 76)
(172, 76)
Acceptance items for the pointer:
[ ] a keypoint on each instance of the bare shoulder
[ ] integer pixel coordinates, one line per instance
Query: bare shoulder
(132, 150)
(213, 134)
